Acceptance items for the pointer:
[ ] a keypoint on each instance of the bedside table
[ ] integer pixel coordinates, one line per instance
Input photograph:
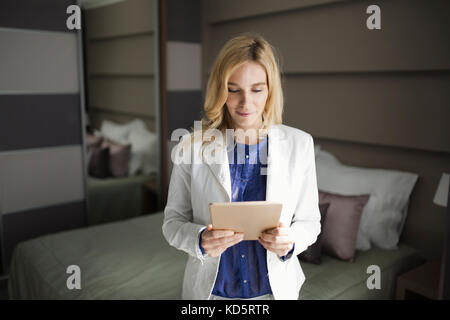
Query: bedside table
(419, 283)
(150, 197)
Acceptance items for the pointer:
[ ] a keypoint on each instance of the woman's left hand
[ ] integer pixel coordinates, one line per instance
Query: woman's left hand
(277, 240)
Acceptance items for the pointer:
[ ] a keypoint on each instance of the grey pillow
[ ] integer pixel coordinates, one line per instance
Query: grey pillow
(93, 141)
(340, 229)
(119, 158)
(98, 166)
(313, 253)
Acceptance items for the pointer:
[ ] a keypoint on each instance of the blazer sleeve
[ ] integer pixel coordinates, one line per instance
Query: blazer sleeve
(178, 227)
(306, 220)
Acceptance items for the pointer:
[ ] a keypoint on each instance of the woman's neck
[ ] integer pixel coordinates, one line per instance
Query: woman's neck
(249, 137)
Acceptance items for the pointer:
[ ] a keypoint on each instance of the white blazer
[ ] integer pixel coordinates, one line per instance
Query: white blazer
(291, 180)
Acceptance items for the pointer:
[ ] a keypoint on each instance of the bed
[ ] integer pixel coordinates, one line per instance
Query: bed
(118, 198)
(131, 260)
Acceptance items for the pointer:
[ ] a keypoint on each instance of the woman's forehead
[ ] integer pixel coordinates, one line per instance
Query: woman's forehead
(249, 73)
(253, 84)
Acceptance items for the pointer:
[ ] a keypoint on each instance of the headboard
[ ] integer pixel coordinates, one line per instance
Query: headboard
(373, 98)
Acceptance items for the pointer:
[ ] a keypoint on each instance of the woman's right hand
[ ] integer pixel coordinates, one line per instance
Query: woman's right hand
(215, 242)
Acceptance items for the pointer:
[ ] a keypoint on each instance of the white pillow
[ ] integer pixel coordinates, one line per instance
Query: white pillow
(383, 216)
(144, 151)
(137, 124)
(116, 132)
(144, 144)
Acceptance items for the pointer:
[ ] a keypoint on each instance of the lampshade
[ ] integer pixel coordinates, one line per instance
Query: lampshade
(441, 196)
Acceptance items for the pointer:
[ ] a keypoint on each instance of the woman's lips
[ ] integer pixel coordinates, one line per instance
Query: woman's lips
(243, 114)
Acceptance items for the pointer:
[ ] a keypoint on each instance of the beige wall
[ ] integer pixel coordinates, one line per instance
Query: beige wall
(375, 98)
(120, 45)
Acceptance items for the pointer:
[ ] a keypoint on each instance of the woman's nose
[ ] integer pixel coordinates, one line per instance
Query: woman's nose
(245, 97)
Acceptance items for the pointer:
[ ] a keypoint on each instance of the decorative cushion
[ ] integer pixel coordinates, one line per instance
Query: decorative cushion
(119, 156)
(340, 228)
(93, 141)
(98, 163)
(313, 253)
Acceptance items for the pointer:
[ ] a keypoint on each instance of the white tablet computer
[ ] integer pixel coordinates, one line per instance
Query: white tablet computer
(249, 217)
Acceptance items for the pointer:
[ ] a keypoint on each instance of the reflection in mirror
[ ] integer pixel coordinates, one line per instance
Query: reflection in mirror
(122, 143)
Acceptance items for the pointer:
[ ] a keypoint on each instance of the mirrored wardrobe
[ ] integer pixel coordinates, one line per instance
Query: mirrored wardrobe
(120, 52)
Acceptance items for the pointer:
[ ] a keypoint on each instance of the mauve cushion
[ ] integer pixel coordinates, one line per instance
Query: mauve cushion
(313, 253)
(93, 141)
(340, 228)
(99, 162)
(119, 157)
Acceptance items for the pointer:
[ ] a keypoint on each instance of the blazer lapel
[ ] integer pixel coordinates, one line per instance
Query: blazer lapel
(219, 166)
(275, 165)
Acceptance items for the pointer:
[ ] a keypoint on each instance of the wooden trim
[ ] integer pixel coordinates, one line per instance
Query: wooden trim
(444, 280)
(163, 100)
(2, 241)
(117, 37)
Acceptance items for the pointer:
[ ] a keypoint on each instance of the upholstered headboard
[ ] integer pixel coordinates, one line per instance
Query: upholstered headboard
(374, 98)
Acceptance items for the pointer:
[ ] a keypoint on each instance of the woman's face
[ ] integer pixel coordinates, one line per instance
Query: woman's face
(247, 95)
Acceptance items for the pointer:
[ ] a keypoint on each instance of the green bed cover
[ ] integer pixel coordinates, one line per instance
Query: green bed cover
(131, 260)
(115, 199)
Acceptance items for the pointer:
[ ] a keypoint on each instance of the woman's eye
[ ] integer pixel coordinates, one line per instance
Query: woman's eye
(235, 91)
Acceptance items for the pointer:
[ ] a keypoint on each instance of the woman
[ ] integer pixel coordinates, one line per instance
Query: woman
(243, 152)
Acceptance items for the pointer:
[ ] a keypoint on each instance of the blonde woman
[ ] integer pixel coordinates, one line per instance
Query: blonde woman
(243, 152)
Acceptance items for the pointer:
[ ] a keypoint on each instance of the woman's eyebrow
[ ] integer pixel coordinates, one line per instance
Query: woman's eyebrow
(255, 84)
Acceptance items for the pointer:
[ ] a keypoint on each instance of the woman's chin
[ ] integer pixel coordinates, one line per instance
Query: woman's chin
(246, 124)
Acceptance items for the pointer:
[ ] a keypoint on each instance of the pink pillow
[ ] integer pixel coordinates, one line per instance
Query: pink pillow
(93, 141)
(119, 157)
(98, 166)
(341, 225)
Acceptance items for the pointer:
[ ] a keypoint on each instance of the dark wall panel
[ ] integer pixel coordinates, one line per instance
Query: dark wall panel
(33, 121)
(35, 14)
(184, 21)
(183, 108)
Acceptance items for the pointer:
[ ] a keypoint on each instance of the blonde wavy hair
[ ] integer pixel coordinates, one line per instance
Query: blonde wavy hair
(236, 51)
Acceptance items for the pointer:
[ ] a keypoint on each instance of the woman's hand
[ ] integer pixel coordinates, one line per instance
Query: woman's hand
(277, 240)
(215, 242)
